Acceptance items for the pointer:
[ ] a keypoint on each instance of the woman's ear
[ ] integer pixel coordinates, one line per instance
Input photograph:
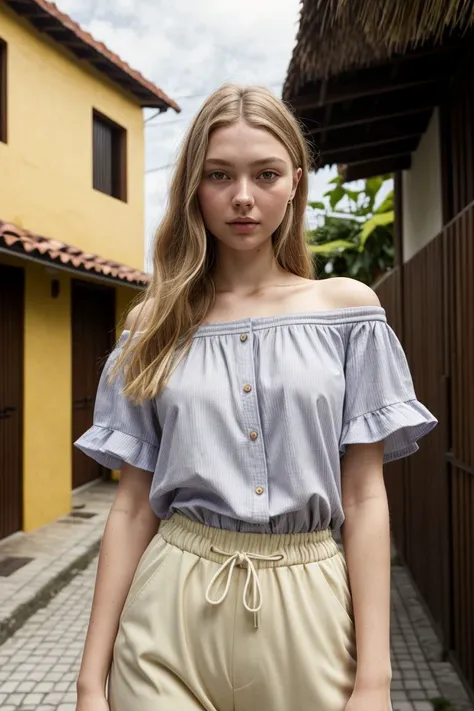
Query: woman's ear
(296, 179)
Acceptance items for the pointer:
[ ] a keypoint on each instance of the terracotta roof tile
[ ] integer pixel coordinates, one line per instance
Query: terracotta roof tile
(51, 250)
(96, 53)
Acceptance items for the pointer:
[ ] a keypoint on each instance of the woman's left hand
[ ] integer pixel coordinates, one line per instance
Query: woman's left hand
(376, 699)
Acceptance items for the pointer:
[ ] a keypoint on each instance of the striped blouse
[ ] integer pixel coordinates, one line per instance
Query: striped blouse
(249, 432)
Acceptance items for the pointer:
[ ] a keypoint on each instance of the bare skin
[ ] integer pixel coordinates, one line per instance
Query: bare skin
(250, 283)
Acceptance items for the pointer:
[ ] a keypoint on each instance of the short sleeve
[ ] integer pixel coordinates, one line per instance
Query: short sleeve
(122, 432)
(380, 402)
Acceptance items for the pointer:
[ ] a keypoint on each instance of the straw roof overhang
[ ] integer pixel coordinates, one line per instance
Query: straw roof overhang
(48, 19)
(366, 74)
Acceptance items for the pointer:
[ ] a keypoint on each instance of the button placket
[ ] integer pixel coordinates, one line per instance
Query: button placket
(257, 464)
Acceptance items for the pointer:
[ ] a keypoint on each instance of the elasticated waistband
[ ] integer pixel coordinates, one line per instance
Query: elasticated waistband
(296, 548)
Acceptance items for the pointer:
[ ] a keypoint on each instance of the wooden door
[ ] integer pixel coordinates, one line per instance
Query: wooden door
(11, 399)
(93, 336)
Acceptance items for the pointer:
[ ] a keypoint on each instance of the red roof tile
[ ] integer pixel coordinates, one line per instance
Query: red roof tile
(20, 241)
(49, 19)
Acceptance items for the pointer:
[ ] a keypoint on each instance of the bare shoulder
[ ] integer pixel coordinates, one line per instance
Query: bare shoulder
(138, 316)
(343, 292)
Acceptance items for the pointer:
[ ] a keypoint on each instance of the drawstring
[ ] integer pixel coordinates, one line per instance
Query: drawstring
(243, 560)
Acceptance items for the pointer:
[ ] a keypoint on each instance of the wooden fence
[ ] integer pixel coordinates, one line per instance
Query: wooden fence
(430, 304)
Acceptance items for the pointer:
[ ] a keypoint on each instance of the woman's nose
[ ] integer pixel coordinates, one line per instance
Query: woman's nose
(243, 197)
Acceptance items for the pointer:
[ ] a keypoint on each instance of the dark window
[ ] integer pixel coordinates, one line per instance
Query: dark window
(109, 157)
(3, 91)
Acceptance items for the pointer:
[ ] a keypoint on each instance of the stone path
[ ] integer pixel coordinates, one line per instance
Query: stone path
(56, 551)
(419, 674)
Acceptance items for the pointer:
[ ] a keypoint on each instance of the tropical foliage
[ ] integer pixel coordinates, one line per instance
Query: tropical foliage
(354, 236)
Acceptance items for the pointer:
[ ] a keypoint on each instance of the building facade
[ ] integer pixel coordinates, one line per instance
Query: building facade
(71, 245)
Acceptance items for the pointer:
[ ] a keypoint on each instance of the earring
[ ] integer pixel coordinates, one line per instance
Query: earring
(290, 201)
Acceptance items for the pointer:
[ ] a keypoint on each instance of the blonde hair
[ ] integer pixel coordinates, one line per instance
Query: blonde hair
(181, 291)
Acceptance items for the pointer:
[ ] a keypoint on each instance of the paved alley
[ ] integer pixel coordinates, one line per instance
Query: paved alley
(39, 663)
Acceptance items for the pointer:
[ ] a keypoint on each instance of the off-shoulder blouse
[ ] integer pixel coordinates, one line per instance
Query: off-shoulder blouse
(249, 433)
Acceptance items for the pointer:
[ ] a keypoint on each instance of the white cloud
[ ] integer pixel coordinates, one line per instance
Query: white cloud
(189, 48)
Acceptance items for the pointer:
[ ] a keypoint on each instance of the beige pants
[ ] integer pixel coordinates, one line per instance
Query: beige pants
(228, 621)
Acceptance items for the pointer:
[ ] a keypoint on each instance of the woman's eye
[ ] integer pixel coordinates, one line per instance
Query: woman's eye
(268, 175)
(217, 175)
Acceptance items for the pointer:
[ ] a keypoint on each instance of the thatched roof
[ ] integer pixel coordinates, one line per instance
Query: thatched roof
(366, 75)
(339, 35)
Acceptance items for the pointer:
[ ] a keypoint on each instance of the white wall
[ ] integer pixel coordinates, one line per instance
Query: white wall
(422, 212)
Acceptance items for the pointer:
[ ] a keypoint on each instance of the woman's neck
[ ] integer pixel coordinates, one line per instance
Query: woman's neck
(244, 273)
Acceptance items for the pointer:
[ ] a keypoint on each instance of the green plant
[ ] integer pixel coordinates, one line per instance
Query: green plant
(357, 239)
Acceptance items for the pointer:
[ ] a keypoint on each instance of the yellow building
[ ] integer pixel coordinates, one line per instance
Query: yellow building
(71, 245)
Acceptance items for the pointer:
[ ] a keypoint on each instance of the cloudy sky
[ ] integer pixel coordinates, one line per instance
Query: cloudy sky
(189, 48)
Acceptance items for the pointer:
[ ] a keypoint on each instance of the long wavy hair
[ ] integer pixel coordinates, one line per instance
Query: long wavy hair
(181, 291)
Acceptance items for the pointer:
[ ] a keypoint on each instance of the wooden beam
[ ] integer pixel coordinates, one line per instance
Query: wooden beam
(114, 73)
(60, 32)
(380, 144)
(32, 14)
(398, 207)
(369, 153)
(367, 110)
(45, 23)
(377, 80)
(23, 6)
(80, 51)
(77, 46)
(367, 169)
(371, 135)
(105, 65)
(445, 143)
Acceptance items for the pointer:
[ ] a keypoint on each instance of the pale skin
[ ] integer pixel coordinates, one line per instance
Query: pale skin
(250, 283)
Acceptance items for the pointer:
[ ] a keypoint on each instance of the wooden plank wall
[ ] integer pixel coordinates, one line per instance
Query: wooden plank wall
(431, 494)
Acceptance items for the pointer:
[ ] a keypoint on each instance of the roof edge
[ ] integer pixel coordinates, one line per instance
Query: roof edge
(337, 36)
(120, 73)
(22, 242)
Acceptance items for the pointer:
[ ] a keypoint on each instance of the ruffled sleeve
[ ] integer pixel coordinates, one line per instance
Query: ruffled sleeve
(380, 401)
(121, 431)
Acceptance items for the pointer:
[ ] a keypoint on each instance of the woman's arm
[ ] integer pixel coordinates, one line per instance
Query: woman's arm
(130, 527)
(366, 539)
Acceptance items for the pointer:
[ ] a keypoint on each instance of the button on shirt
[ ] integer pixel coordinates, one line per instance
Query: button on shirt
(249, 431)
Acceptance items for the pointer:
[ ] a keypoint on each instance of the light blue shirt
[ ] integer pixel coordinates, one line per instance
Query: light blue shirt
(249, 432)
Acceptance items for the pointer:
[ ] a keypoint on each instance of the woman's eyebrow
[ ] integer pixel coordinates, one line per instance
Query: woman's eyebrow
(271, 159)
(260, 161)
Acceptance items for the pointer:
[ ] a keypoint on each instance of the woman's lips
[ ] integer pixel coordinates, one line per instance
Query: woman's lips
(244, 226)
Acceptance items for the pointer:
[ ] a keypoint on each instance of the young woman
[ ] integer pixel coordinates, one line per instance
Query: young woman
(250, 409)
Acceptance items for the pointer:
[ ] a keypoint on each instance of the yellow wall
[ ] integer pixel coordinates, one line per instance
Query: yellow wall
(46, 166)
(47, 399)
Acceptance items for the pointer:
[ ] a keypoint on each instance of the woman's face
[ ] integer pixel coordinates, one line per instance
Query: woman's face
(247, 182)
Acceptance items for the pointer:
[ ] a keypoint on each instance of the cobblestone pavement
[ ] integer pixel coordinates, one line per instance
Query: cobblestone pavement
(38, 665)
(54, 551)
(419, 674)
